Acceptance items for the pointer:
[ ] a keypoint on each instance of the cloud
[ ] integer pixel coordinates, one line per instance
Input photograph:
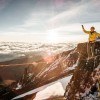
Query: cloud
(33, 19)
(66, 21)
(66, 16)
(4, 3)
(81, 13)
(34, 24)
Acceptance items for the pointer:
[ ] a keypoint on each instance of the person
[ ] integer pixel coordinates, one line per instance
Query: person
(93, 35)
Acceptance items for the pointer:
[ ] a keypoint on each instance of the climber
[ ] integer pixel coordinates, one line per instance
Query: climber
(93, 35)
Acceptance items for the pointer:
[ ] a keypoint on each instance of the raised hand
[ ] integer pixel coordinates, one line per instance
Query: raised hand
(82, 26)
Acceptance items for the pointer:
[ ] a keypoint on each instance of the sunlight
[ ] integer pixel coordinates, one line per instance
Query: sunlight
(52, 36)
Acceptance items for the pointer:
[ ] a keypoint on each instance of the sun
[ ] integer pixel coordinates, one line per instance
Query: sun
(52, 36)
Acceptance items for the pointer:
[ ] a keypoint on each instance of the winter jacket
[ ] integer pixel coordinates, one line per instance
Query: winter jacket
(92, 35)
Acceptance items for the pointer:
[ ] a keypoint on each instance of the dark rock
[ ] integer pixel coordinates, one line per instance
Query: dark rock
(82, 76)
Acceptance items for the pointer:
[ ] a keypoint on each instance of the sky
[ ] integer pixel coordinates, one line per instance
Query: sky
(47, 20)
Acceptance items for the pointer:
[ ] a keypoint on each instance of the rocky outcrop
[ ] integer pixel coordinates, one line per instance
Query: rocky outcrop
(84, 76)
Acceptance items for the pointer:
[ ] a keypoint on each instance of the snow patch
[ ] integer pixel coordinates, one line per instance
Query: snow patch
(18, 86)
(50, 92)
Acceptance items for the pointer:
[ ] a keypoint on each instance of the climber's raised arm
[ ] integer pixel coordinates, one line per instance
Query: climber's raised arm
(85, 31)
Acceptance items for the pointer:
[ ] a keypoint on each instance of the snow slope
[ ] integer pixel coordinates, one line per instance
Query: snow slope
(48, 90)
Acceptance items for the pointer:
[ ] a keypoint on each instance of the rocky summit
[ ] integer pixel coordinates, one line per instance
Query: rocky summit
(85, 76)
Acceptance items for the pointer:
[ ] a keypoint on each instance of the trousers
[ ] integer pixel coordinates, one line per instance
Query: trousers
(91, 49)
